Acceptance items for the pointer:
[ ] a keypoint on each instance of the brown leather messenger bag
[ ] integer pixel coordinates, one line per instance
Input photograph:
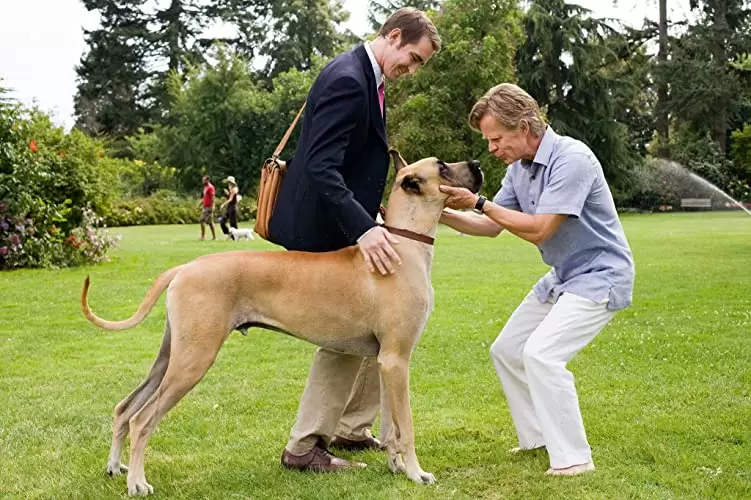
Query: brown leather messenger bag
(272, 175)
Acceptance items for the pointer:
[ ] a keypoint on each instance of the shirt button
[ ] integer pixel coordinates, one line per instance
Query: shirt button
(533, 203)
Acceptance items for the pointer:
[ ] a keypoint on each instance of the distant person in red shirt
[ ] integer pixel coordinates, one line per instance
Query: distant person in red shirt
(207, 211)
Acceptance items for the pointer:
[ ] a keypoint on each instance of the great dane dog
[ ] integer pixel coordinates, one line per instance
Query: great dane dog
(293, 293)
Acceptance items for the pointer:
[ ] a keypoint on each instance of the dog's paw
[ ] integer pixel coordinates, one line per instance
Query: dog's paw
(139, 488)
(422, 477)
(115, 469)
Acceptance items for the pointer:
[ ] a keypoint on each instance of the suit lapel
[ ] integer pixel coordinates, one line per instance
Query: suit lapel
(379, 123)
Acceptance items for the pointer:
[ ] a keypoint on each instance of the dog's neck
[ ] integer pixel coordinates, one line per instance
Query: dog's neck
(422, 218)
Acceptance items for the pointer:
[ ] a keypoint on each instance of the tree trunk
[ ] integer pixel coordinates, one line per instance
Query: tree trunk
(662, 121)
(174, 14)
(719, 126)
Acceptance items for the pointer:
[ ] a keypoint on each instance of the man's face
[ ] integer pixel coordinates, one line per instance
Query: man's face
(405, 59)
(506, 145)
(205, 181)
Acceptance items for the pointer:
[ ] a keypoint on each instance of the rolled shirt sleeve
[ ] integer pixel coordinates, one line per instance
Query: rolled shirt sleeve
(568, 187)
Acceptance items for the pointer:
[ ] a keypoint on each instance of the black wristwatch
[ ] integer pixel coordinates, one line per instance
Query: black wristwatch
(480, 203)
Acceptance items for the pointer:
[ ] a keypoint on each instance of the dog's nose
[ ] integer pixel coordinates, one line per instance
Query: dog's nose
(474, 164)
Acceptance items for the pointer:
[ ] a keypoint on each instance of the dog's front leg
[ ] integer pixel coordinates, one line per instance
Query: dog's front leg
(401, 439)
(388, 432)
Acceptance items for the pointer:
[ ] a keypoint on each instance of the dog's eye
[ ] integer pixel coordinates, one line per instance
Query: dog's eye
(411, 183)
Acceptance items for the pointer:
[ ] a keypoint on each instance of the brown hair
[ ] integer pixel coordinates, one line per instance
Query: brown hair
(414, 24)
(511, 106)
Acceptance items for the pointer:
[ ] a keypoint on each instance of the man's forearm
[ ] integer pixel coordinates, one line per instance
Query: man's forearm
(470, 223)
(523, 225)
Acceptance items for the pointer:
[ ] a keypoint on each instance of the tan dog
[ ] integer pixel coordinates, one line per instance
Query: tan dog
(293, 292)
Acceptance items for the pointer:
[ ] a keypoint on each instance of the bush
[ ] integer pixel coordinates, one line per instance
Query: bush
(167, 207)
(23, 244)
(49, 183)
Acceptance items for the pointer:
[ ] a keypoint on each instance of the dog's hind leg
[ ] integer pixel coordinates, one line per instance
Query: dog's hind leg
(395, 370)
(128, 407)
(191, 356)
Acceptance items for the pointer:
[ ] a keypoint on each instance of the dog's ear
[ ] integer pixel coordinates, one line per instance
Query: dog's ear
(399, 162)
(411, 184)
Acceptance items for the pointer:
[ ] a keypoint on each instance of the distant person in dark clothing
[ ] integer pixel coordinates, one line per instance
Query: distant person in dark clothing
(233, 196)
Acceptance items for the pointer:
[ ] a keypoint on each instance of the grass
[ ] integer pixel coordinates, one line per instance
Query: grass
(665, 390)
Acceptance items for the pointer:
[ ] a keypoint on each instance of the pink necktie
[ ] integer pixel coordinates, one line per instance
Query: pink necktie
(381, 96)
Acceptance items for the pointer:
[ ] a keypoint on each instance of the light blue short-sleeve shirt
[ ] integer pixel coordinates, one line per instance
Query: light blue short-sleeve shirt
(589, 253)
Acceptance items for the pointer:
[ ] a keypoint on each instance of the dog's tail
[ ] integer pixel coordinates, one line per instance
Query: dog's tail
(161, 283)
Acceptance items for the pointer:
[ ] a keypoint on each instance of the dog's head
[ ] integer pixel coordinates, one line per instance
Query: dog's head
(423, 177)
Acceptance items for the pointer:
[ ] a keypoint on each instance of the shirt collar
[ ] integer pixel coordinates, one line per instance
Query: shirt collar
(376, 68)
(545, 150)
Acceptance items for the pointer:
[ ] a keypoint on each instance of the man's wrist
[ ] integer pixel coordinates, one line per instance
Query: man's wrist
(480, 204)
(365, 233)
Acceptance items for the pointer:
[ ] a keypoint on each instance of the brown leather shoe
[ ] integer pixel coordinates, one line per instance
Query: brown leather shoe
(318, 460)
(347, 444)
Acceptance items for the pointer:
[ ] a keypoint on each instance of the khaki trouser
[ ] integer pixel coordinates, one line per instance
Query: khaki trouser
(341, 398)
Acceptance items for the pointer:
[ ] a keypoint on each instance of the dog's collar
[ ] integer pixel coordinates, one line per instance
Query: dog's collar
(428, 240)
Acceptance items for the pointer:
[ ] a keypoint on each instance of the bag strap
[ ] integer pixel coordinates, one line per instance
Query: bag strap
(284, 140)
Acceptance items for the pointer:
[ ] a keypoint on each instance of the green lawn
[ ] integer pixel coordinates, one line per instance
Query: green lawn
(665, 389)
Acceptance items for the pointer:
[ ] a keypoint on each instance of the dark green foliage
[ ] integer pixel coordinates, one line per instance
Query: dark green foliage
(575, 66)
(427, 112)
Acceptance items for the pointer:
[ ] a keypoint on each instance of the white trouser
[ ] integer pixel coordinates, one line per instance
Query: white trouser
(530, 356)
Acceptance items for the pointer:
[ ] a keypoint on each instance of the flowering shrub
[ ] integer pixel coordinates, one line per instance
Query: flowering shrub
(22, 244)
(49, 180)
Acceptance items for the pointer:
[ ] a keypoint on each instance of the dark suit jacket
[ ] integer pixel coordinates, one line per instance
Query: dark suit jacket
(335, 182)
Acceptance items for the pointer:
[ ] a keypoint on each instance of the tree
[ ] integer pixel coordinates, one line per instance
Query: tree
(122, 78)
(706, 89)
(301, 31)
(112, 96)
(224, 123)
(380, 10)
(570, 65)
(427, 113)
(662, 120)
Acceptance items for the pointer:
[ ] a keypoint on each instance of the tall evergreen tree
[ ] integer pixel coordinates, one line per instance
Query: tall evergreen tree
(302, 30)
(112, 96)
(569, 65)
(122, 78)
(706, 89)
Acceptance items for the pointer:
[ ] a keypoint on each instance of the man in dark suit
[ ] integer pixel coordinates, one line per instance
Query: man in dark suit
(328, 201)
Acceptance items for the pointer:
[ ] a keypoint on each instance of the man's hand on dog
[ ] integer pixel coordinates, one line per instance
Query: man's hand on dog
(459, 198)
(375, 246)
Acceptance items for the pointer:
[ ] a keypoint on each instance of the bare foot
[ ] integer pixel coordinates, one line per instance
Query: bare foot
(574, 470)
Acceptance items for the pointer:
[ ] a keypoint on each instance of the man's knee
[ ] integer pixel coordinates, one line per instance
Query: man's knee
(505, 351)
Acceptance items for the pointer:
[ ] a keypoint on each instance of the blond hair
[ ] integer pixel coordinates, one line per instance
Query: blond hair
(510, 106)
(414, 24)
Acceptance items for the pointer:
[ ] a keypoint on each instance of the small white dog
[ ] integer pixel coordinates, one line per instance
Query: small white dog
(241, 234)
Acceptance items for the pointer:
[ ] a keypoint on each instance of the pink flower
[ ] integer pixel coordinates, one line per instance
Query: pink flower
(3, 251)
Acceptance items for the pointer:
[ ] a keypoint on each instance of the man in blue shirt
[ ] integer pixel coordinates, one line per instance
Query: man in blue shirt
(555, 196)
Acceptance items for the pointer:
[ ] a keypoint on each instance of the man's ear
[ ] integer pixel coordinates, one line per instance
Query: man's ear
(399, 162)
